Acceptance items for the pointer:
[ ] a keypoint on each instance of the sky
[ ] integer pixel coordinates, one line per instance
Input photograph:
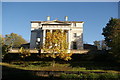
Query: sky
(60, 0)
(16, 16)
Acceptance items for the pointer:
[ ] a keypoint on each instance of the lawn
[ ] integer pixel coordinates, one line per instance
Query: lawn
(25, 70)
(62, 66)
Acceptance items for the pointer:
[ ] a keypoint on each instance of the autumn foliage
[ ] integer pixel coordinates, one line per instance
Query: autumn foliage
(24, 53)
(56, 45)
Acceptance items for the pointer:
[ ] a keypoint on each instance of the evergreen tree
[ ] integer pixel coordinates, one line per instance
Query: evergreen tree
(112, 36)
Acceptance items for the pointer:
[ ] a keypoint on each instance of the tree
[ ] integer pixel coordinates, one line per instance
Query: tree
(56, 45)
(97, 43)
(101, 44)
(1, 40)
(23, 53)
(14, 40)
(111, 33)
(3, 47)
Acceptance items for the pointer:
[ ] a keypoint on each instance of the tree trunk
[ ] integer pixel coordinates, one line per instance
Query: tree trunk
(53, 63)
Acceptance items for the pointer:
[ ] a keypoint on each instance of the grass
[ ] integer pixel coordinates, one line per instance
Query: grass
(9, 73)
(23, 70)
(46, 66)
(57, 67)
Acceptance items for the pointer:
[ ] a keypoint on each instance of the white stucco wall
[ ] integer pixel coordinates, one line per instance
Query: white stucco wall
(79, 24)
(34, 24)
(77, 39)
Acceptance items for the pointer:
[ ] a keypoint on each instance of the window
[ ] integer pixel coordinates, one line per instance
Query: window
(74, 45)
(75, 34)
(39, 24)
(74, 24)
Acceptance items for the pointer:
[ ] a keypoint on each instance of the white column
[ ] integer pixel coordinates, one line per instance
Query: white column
(69, 39)
(82, 40)
(50, 30)
(44, 35)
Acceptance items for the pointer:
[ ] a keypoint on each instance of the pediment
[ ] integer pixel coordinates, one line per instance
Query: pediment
(55, 22)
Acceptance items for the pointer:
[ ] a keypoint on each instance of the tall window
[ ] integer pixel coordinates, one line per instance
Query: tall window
(39, 24)
(74, 45)
(74, 24)
(75, 34)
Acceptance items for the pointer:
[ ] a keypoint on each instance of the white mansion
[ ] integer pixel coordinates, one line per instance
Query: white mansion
(74, 31)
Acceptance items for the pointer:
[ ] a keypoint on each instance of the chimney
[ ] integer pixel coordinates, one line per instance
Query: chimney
(66, 18)
(48, 18)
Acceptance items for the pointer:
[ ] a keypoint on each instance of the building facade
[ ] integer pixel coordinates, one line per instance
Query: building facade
(74, 31)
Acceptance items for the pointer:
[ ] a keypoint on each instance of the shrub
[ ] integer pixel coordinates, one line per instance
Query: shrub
(82, 76)
(24, 53)
(10, 57)
(102, 76)
(72, 76)
(69, 76)
(118, 76)
(108, 76)
(92, 76)
(63, 75)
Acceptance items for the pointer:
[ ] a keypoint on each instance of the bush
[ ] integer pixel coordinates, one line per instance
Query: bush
(118, 76)
(10, 57)
(108, 76)
(92, 76)
(69, 76)
(24, 52)
(72, 76)
(63, 75)
(82, 76)
(102, 76)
